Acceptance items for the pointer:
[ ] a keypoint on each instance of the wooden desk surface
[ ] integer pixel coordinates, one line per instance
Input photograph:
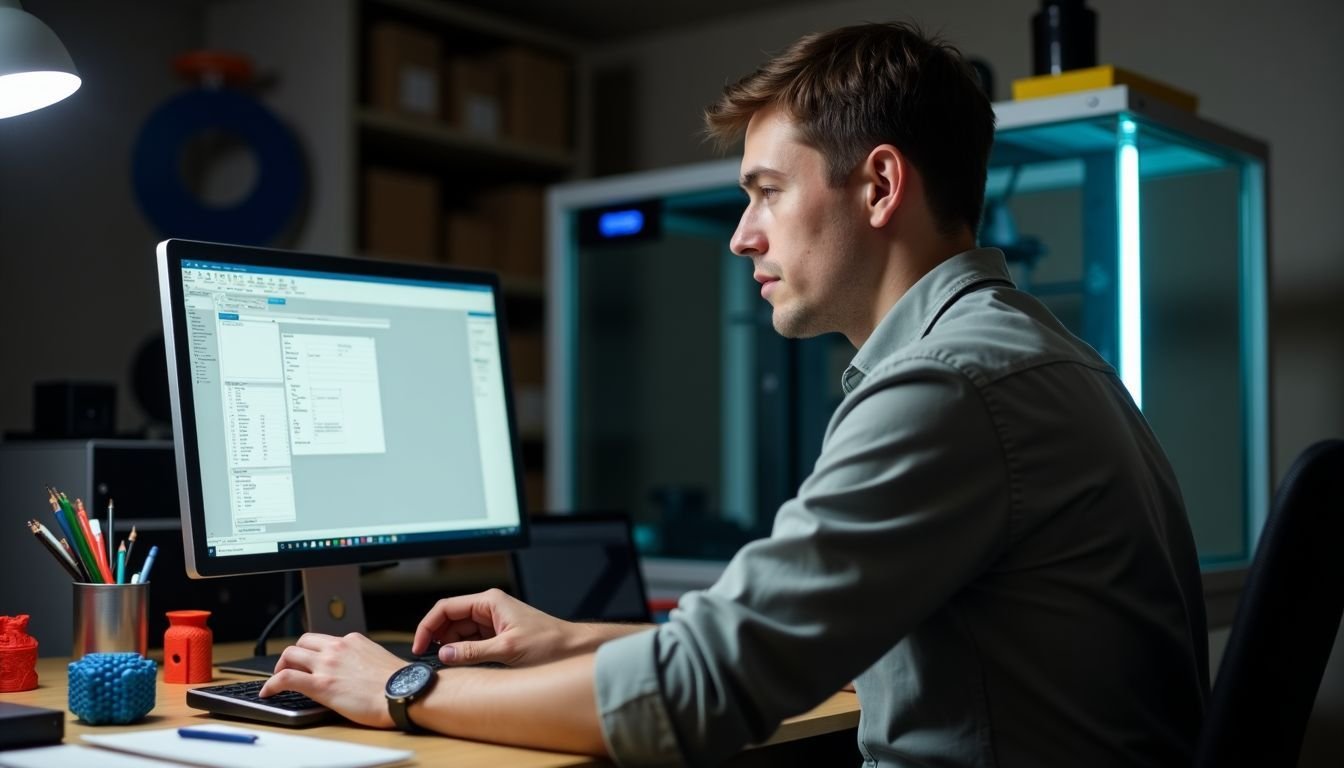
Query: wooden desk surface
(839, 712)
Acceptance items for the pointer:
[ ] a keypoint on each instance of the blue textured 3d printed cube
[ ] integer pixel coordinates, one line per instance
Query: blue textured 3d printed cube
(113, 688)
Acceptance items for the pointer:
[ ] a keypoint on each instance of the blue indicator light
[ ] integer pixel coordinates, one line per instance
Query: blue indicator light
(621, 223)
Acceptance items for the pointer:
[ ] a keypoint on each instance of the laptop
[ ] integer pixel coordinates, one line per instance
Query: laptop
(582, 567)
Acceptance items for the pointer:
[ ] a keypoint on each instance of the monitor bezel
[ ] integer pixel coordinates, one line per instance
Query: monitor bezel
(170, 255)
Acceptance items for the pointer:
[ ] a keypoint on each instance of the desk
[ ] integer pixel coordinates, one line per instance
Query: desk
(839, 713)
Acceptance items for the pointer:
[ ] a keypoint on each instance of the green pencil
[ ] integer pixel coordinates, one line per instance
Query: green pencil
(81, 543)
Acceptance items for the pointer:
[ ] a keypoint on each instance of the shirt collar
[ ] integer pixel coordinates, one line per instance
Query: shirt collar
(914, 314)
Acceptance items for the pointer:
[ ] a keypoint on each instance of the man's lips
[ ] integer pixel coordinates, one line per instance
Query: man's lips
(767, 283)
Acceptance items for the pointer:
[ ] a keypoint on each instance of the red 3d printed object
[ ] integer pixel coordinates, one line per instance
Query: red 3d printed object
(18, 655)
(187, 648)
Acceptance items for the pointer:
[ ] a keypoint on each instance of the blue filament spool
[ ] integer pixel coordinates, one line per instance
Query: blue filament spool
(174, 209)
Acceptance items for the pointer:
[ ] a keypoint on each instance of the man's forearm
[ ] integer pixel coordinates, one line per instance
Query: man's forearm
(595, 634)
(551, 706)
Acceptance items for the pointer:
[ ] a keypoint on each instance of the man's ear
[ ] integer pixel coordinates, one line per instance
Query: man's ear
(884, 175)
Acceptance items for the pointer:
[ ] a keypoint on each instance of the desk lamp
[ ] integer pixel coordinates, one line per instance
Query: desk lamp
(35, 68)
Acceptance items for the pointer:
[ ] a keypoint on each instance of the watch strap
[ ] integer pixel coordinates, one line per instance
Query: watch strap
(398, 708)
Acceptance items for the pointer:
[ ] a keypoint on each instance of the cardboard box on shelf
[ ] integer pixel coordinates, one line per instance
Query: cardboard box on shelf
(471, 95)
(468, 240)
(517, 215)
(401, 215)
(536, 97)
(404, 70)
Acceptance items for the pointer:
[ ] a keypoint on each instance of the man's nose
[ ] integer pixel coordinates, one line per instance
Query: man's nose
(747, 239)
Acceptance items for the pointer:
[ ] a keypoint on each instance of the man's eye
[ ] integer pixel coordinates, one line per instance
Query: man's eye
(769, 192)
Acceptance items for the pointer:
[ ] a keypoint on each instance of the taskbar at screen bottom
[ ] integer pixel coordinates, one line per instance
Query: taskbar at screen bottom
(377, 540)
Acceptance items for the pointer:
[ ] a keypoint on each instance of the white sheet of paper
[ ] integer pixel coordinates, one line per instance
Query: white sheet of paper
(270, 749)
(75, 756)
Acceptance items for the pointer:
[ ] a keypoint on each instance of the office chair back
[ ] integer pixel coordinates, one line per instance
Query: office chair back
(1286, 621)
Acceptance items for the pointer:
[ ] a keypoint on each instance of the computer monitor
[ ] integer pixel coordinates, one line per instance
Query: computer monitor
(332, 411)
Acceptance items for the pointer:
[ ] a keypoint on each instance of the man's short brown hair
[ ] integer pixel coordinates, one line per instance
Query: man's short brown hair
(857, 87)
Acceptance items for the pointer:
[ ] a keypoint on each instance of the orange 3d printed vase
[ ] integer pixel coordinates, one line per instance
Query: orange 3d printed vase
(187, 648)
(18, 655)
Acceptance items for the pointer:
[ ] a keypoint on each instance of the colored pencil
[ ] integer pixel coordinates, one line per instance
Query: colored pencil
(111, 533)
(149, 563)
(96, 529)
(121, 564)
(105, 575)
(60, 515)
(83, 574)
(130, 544)
(47, 540)
(80, 539)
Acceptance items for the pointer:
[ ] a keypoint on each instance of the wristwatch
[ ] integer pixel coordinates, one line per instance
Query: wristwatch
(405, 686)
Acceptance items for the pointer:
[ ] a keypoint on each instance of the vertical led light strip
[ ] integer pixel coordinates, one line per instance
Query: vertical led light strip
(1131, 317)
(1255, 356)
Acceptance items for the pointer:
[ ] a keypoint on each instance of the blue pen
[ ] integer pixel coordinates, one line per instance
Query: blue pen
(201, 733)
(149, 563)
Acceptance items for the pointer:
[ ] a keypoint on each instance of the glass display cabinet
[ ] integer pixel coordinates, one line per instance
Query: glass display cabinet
(1141, 226)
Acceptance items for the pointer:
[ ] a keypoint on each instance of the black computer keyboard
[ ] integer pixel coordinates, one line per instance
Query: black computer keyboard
(240, 700)
(290, 708)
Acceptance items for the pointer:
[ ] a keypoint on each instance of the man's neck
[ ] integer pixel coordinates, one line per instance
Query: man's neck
(906, 264)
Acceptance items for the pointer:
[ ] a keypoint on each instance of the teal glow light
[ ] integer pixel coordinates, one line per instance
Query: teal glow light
(1131, 319)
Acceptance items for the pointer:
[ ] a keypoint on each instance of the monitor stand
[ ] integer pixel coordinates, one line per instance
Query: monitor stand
(334, 605)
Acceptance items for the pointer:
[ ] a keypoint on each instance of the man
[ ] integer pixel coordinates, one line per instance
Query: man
(992, 545)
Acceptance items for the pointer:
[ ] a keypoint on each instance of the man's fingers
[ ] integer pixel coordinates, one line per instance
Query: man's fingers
(445, 611)
(452, 633)
(287, 680)
(465, 630)
(314, 641)
(465, 652)
(298, 658)
(455, 618)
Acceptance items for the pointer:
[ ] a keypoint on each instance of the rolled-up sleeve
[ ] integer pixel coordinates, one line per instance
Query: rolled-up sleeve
(908, 502)
(635, 723)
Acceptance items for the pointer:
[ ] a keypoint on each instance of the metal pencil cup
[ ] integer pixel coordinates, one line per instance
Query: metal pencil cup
(111, 618)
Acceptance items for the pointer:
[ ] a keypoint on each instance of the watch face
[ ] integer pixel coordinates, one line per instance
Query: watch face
(409, 680)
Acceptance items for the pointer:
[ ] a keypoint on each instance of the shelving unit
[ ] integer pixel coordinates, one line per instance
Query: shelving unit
(485, 170)
(314, 58)
(445, 145)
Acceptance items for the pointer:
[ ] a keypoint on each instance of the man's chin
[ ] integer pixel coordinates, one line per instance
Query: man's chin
(791, 326)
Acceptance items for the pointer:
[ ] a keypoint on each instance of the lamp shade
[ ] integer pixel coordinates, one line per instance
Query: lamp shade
(35, 68)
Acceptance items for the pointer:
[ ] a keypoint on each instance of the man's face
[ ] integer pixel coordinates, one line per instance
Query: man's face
(802, 235)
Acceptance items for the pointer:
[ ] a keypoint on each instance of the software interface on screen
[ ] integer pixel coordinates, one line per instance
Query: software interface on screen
(335, 410)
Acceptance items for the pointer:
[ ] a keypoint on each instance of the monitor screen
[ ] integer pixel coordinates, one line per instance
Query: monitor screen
(332, 411)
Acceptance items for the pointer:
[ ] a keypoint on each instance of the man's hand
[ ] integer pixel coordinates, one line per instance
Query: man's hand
(348, 674)
(492, 626)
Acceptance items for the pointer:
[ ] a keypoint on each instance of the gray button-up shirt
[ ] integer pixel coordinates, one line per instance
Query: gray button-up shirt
(992, 545)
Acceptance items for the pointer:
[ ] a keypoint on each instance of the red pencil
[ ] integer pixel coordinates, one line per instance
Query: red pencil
(88, 536)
